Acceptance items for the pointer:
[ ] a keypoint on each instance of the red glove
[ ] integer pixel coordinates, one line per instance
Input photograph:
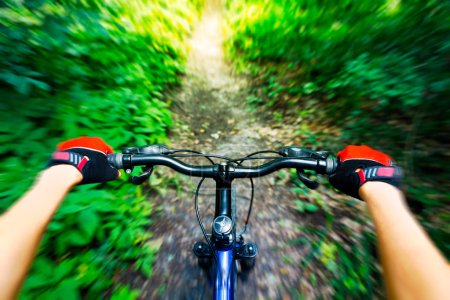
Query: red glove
(89, 156)
(359, 164)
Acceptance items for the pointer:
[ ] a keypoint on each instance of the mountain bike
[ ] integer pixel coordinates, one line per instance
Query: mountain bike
(224, 251)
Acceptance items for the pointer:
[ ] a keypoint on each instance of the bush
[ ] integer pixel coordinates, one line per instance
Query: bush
(379, 71)
(355, 56)
(94, 68)
(378, 68)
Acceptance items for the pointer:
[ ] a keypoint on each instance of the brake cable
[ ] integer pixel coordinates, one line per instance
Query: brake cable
(191, 151)
(197, 213)
(248, 157)
(203, 228)
(239, 162)
(207, 156)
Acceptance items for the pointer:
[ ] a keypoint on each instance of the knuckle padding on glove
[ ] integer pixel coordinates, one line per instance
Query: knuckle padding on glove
(92, 143)
(92, 164)
(364, 153)
(73, 158)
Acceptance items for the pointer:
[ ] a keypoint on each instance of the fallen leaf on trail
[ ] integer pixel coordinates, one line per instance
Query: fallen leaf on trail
(284, 271)
(155, 244)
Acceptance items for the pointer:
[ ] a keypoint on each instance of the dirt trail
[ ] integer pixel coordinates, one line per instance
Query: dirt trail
(212, 110)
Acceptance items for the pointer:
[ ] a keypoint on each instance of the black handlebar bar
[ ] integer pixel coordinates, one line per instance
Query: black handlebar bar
(321, 165)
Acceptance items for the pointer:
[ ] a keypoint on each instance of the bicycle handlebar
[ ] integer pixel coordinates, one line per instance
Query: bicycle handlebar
(321, 165)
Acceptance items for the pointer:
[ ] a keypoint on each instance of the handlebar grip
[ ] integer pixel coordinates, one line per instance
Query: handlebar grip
(116, 160)
(332, 164)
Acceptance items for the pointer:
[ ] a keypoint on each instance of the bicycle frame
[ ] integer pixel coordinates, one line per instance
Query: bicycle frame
(225, 269)
(224, 287)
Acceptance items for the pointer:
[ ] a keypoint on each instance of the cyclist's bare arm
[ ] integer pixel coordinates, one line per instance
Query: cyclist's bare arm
(77, 161)
(22, 226)
(413, 267)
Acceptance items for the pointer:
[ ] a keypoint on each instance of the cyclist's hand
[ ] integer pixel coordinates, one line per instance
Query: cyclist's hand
(89, 156)
(359, 164)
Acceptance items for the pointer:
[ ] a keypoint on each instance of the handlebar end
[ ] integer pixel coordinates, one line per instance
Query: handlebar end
(116, 160)
(332, 165)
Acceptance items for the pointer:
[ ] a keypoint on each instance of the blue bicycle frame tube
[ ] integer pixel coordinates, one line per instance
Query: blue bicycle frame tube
(224, 282)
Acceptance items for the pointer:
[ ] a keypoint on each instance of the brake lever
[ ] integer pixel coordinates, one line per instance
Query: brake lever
(322, 154)
(149, 149)
(143, 177)
(300, 152)
(311, 184)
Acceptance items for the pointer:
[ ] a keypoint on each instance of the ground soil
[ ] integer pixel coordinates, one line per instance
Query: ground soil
(212, 116)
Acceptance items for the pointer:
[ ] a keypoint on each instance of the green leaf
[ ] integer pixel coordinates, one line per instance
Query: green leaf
(299, 191)
(309, 207)
(23, 86)
(36, 280)
(124, 293)
(64, 269)
(44, 265)
(68, 289)
(77, 238)
(88, 222)
(69, 208)
(299, 205)
(39, 84)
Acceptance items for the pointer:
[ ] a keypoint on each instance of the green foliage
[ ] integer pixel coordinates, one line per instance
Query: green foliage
(302, 206)
(96, 68)
(354, 277)
(254, 101)
(376, 69)
(377, 79)
(346, 267)
(87, 240)
(368, 62)
(124, 293)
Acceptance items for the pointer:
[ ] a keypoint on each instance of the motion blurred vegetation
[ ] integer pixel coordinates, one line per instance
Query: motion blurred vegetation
(379, 70)
(97, 68)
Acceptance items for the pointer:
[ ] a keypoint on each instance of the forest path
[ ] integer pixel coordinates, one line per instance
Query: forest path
(213, 117)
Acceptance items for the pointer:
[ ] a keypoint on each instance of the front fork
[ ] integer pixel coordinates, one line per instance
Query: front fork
(232, 257)
(227, 248)
(244, 254)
